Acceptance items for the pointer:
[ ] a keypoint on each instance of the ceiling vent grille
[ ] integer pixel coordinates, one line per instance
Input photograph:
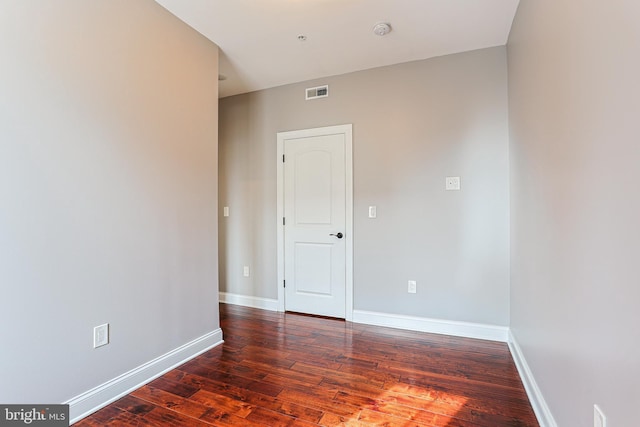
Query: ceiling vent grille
(316, 92)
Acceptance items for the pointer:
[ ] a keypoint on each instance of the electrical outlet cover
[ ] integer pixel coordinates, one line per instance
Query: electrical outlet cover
(101, 335)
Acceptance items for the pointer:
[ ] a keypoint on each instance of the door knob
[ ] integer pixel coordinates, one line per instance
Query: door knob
(338, 235)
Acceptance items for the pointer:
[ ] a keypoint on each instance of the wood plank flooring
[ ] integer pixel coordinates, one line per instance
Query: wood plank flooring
(298, 371)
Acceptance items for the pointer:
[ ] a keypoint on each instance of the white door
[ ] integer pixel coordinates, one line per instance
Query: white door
(315, 223)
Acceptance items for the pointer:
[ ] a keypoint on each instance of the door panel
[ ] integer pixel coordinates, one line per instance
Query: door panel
(314, 208)
(313, 269)
(313, 187)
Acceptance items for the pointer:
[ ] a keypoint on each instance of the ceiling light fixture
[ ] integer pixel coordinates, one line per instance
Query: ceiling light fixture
(381, 29)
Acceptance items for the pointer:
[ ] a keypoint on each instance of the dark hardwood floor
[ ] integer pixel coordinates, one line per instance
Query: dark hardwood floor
(300, 371)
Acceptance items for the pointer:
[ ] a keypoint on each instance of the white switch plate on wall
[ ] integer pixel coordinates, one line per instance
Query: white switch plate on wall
(225, 211)
(452, 183)
(412, 287)
(245, 271)
(373, 212)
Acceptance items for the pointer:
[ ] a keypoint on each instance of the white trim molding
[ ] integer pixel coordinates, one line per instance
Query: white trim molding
(249, 301)
(542, 411)
(434, 326)
(104, 394)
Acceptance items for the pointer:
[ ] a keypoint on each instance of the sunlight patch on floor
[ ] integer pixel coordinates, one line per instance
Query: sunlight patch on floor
(431, 408)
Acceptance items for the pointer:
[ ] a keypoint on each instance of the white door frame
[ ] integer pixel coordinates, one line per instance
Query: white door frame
(347, 131)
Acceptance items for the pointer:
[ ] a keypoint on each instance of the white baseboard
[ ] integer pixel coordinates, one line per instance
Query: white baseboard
(542, 411)
(434, 326)
(249, 301)
(98, 397)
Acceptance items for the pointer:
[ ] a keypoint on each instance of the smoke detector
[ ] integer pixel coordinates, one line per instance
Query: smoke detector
(381, 29)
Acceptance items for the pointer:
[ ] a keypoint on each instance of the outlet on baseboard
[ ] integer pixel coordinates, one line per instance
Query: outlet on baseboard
(101, 335)
(412, 287)
(599, 420)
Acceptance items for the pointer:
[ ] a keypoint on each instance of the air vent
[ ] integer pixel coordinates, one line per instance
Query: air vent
(317, 92)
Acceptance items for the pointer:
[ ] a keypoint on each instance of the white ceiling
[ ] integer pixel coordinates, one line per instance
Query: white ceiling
(260, 48)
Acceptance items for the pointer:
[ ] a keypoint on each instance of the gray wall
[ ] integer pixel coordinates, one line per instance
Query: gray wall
(108, 191)
(574, 102)
(414, 124)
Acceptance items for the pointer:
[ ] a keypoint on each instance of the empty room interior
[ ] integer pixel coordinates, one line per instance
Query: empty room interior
(320, 212)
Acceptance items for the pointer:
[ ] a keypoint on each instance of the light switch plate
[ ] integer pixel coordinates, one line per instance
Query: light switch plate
(245, 271)
(412, 285)
(373, 211)
(452, 183)
(225, 211)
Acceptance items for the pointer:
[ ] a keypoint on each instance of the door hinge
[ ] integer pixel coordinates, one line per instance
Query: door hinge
(283, 221)
(284, 283)
(283, 158)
